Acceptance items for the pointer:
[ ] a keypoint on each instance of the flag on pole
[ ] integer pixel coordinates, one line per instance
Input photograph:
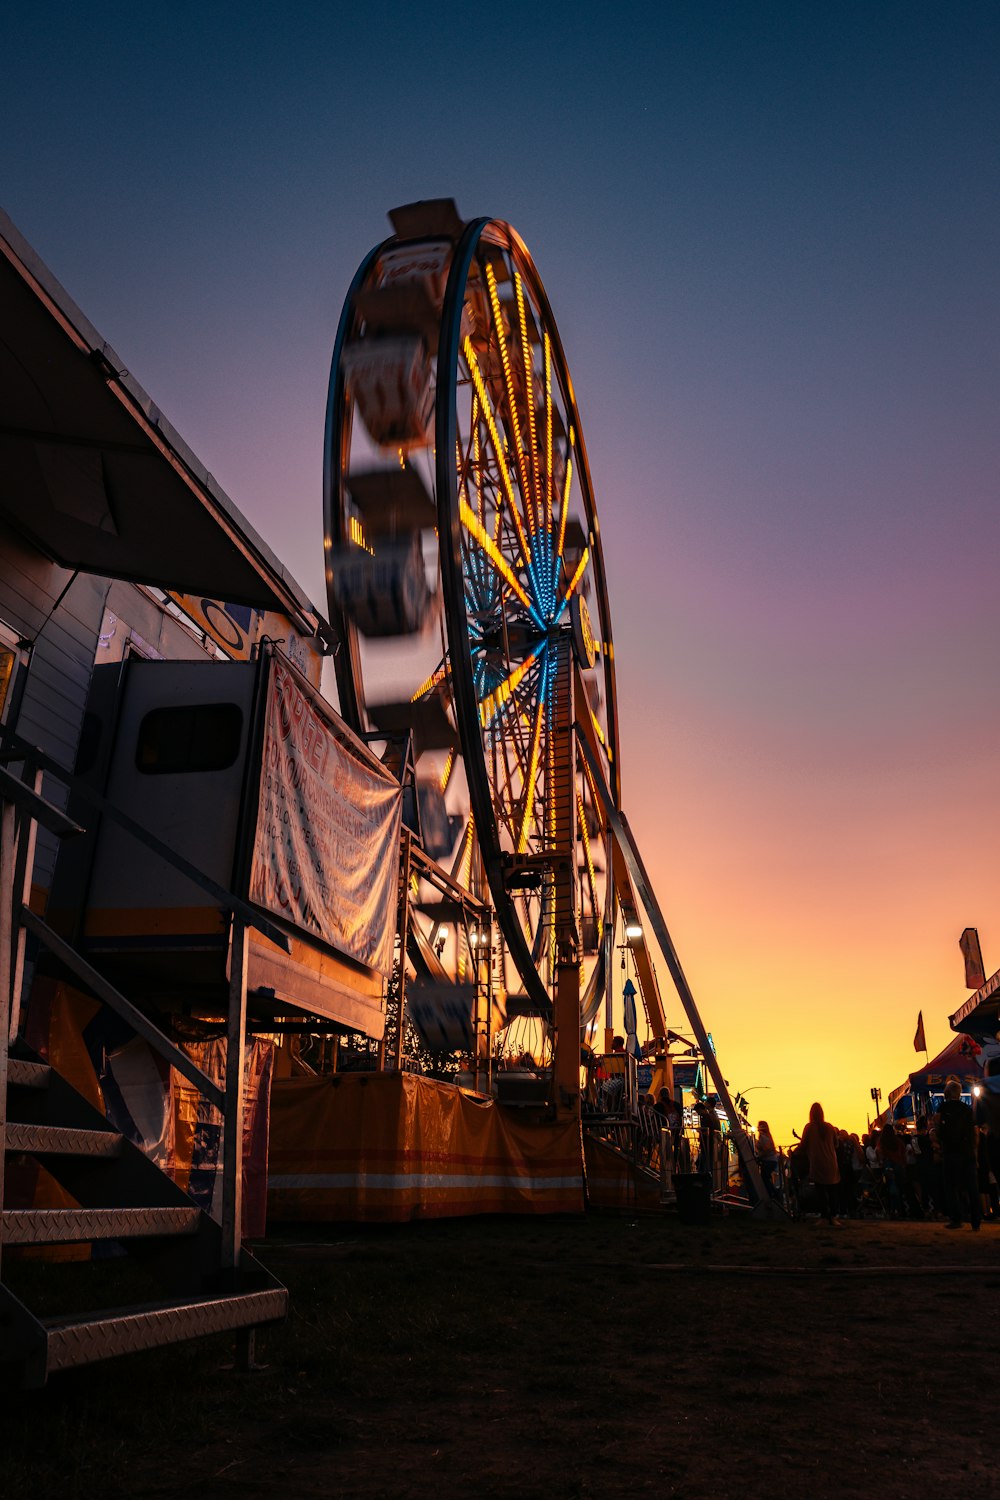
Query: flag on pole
(919, 1044)
(631, 1027)
(975, 976)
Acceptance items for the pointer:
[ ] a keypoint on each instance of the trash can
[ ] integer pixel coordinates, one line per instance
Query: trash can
(694, 1196)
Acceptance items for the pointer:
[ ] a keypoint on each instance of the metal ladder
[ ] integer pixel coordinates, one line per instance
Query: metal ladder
(200, 1277)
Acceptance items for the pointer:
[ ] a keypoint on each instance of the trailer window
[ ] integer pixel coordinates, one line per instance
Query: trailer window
(8, 661)
(11, 655)
(190, 737)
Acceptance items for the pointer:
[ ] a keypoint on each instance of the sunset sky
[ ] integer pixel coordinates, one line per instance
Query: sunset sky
(770, 234)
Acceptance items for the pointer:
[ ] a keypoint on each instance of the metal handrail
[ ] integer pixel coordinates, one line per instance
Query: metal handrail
(140, 1023)
(20, 808)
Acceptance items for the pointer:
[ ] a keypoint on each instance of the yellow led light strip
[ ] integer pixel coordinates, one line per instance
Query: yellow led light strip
(591, 874)
(449, 766)
(479, 534)
(501, 694)
(529, 804)
(529, 397)
(477, 461)
(465, 869)
(548, 433)
(438, 675)
(598, 809)
(508, 483)
(357, 534)
(580, 569)
(600, 735)
(565, 498)
(508, 375)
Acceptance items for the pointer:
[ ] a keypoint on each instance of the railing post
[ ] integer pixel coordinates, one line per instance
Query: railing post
(666, 1163)
(232, 1138)
(8, 851)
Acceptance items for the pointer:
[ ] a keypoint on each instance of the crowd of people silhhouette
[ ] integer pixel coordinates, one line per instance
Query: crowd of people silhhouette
(943, 1166)
(946, 1168)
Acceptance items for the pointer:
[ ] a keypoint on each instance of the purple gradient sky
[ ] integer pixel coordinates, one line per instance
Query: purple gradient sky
(770, 237)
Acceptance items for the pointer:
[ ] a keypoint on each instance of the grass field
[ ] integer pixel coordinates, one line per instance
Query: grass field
(592, 1357)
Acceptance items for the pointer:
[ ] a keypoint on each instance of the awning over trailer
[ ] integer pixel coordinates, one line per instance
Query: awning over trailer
(93, 474)
(980, 1015)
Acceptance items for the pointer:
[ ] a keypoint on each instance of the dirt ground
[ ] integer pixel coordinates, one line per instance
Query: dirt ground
(598, 1357)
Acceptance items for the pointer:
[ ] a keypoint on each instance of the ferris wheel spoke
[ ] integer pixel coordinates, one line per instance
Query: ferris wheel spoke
(503, 691)
(529, 397)
(481, 536)
(549, 477)
(588, 859)
(581, 568)
(515, 724)
(531, 779)
(514, 422)
(564, 514)
(497, 445)
(510, 757)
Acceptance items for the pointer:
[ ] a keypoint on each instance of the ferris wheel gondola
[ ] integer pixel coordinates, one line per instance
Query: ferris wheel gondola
(466, 579)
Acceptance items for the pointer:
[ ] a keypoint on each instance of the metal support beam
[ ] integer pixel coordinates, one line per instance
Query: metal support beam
(561, 798)
(644, 890)
(618, 877)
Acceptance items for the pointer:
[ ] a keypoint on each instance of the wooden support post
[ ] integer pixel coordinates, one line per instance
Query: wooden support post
(232, 1139)
(486, 940)
(404, 922)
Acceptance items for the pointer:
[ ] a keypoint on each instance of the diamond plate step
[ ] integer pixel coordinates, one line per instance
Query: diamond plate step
(81, 1341)
(56, 1140)
(55, 1226)
(27, 1075)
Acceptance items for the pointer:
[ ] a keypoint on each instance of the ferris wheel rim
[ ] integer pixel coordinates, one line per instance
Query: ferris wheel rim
(453, 582)
(347, 665)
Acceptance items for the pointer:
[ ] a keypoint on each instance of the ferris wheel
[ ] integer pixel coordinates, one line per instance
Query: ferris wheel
(466, 579)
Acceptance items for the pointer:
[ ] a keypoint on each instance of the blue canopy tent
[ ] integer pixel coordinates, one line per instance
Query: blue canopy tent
(924, 1089)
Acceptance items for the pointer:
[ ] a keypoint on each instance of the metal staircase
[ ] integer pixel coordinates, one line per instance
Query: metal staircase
(182, 1274)
(121, 1197)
